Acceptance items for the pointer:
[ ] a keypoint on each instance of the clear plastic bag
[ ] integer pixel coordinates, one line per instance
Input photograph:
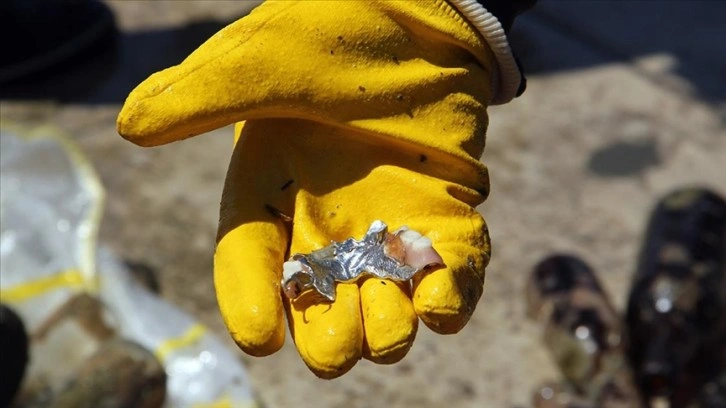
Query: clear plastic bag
(50, 208)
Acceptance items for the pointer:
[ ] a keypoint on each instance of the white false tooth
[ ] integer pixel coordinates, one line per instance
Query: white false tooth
(290, 268)
(409, 236)
(421, 243)
(419, 250)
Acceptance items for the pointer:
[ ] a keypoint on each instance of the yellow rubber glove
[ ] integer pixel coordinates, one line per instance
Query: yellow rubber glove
(354, 111)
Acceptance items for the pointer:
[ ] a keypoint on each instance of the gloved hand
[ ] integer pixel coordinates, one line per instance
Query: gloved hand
(354, 111)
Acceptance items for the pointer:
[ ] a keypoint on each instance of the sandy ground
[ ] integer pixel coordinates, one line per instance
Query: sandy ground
(617, 113)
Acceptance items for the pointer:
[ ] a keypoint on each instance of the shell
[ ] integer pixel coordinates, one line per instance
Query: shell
(677, 307)
(582, 331)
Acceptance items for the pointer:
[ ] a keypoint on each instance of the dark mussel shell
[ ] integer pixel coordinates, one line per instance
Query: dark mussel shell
(676, 314)
(582, 331)
(14, 354)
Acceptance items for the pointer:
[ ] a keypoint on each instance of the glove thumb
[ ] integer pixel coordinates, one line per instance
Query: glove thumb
(232, 76)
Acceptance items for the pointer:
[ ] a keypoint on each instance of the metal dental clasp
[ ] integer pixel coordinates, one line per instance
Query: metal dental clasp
(397, 256)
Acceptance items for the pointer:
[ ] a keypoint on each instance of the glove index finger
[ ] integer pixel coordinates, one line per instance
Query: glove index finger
(253, 238)
(247, 267)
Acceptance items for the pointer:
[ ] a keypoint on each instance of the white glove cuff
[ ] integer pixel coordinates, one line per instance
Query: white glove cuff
(509, 77)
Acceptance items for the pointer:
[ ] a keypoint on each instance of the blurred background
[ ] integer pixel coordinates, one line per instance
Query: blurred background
(626, 101)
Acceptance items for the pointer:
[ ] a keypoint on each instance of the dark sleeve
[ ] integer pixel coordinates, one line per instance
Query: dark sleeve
(506, 10)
